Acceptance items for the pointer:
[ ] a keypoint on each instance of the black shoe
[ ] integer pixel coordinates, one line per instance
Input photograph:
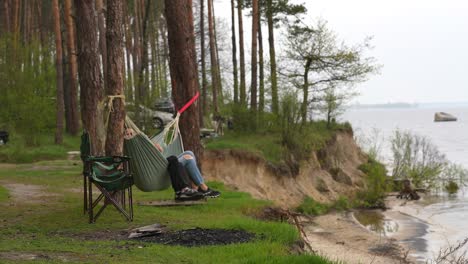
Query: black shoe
(188, 194)
(209, 193)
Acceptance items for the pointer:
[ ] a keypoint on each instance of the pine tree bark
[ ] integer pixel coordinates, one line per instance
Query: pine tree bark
(102, 36)
(143, 56)
(59, 74)
(234, 54)
(253, 88)
(261, 77)
(242, 88)
(115, 78)
(128, 52)
(73, 70)
(204, 107)
(16, 19)
(214, 63)
(136, 51)
(183, 68)
(165, 59)
(273, 73)
(90, 77)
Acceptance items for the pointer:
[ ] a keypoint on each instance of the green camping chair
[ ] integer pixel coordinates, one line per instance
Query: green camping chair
(111, 176)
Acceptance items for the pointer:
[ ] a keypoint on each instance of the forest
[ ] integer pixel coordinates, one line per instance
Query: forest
(61, 60)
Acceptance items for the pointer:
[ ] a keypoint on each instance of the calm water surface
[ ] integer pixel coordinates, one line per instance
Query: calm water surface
(448, 216)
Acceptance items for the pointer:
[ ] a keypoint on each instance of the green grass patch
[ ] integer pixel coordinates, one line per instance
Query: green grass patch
(3, 194)
(18, 151)
(271, 145)
(55, 226)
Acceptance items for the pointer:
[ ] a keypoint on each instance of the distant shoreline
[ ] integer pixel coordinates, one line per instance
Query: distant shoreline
(408, 105)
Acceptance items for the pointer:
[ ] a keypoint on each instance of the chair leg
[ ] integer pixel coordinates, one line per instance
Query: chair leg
(110, 198)
(90, 202)
(96, 202)
(100, 210)
(85, 196)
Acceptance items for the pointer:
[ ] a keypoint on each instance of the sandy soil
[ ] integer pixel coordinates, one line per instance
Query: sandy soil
(340, 237)
(26, 193)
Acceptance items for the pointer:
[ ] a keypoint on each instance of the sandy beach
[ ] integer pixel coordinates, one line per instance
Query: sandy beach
(341, 237)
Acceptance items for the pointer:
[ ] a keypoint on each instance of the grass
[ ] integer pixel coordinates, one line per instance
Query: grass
(269, 144)
(18, 151)
(56, 227)
(3, 194)
(311, 207)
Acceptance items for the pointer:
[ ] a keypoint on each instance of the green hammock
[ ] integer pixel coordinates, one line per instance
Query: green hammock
(147, 164)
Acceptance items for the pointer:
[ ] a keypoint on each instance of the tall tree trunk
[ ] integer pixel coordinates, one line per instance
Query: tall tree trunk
(183, 68)
(242, 90)
(115, 78)
(16, 19)
(273, 74)
(73, 70)
(144, 56)
(90, 77)
(204, 107)
(234, 54)
(6, 4)
(305, 91)
(59, 75)
(66, 87)
(164, 62)
(128, 52)
(154, 62)
(102, 36)
(218, 66)
(136, 51)
(253, 88)
(214, 63)
(261, 92)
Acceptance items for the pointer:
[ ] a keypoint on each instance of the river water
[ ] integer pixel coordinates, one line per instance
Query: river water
(446, 217)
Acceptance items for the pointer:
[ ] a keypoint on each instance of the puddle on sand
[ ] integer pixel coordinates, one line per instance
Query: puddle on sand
(376, 222)
(408, 230)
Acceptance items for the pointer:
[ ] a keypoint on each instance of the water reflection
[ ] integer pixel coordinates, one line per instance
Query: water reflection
(376, 222)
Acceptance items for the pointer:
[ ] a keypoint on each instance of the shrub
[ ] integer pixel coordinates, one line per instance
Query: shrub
(452, 187)
(376, 184)
(417, 159)
(312, 207)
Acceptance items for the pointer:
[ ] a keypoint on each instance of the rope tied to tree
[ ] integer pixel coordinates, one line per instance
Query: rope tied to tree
(109, 103)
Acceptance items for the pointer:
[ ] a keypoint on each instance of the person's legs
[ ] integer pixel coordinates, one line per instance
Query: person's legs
(188, 160)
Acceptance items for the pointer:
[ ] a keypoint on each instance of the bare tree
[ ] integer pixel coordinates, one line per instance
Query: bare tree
(317, 60)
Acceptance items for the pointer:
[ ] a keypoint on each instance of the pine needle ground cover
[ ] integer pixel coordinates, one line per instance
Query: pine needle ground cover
(42, 221)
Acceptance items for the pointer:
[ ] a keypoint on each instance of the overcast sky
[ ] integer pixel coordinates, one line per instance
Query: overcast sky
(422, 45)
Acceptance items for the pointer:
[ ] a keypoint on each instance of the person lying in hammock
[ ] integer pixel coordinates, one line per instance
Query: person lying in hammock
(186, 188)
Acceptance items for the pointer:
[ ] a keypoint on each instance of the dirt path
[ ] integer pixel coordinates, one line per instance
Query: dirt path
(26, 193)
(339, 237)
